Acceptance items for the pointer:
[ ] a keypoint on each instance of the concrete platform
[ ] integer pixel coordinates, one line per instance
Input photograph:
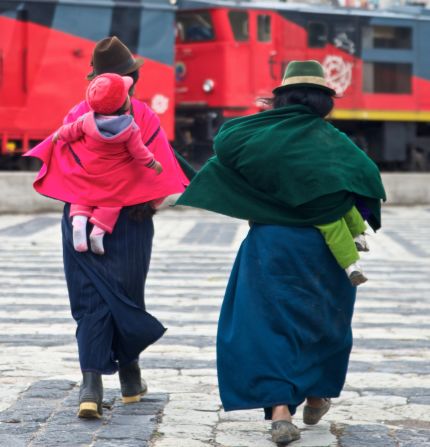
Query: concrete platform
(18, 196)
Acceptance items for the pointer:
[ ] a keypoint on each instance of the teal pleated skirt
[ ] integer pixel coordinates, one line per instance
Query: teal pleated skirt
(285, 326)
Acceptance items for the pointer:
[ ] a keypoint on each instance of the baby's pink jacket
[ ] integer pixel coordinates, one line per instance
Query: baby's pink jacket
(108, 134)
(83, 172)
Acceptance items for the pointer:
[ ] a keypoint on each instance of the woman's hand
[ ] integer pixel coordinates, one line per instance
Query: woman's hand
(55, 138)
(158, 168)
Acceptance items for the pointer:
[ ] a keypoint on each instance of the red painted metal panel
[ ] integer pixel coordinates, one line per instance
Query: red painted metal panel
(43, 74)
(246, 71)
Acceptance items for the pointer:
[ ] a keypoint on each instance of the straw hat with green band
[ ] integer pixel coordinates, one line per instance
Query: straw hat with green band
(304, 74)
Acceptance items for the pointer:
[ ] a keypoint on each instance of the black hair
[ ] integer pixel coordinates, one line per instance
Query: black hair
(134, 75)
(121, 110)
(141, 212)
(318, 100)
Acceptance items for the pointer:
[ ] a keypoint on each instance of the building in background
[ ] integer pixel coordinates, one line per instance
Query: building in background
(367, 4)
(382, 4)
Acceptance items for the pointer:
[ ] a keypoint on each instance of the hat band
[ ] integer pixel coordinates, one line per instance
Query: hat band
(304, 80)
(119, 69)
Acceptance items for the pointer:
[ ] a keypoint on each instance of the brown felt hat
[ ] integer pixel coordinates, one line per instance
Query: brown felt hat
(110, 55)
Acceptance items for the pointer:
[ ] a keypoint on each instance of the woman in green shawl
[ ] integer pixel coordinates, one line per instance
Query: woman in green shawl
(284, 334)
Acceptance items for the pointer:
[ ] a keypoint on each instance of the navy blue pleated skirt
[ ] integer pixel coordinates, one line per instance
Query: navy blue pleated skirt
(107, 295)
(285, 326)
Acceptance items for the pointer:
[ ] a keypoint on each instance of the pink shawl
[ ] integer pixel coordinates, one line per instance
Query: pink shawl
(68, 175)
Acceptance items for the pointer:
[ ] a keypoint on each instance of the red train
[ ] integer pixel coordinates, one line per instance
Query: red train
(228, 57)
(45, 50)
(229, 54)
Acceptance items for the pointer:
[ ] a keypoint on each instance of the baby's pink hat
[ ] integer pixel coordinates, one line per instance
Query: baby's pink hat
(108, 92)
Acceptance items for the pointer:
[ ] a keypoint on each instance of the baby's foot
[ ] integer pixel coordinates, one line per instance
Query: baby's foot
(80, 234)
(355, 274)
(96, 241)
(361, 242)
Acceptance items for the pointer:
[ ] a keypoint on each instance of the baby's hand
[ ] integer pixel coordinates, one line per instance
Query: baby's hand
(158, 168)
(55, 138)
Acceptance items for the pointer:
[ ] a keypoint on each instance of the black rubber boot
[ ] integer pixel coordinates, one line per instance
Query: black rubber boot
(91, 396)
(133, 387)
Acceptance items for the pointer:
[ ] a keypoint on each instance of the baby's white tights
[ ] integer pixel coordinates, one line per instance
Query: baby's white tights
(96, 240)
(79, 224)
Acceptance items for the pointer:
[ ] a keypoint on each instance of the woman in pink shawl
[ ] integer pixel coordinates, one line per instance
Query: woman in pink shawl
(113, 162)
(107, 292)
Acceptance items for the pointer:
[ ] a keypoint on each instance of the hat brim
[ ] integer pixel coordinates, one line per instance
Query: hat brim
(304, 84)
(138, 62)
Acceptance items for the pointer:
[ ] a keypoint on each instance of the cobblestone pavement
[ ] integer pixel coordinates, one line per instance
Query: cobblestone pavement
(386, 401)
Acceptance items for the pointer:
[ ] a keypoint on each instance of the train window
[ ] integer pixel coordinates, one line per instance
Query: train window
(264, 28)
(387, 37)
(317, 34)
(239, 21)
(195, 27)
(387, 77)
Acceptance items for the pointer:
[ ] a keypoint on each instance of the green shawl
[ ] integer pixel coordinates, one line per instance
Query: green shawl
(286, 166)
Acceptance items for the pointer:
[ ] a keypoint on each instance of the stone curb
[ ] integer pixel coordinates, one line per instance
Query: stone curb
(18, 196)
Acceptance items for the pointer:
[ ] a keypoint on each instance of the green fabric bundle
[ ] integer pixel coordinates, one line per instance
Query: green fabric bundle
(286, 166)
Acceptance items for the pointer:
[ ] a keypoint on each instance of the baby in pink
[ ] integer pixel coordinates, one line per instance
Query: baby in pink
(108, 124)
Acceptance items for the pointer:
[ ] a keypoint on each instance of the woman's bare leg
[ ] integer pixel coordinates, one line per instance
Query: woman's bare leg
(281, 413)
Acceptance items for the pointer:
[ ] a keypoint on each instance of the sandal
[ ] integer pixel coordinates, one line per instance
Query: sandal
(284, 432)
(312, 415)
